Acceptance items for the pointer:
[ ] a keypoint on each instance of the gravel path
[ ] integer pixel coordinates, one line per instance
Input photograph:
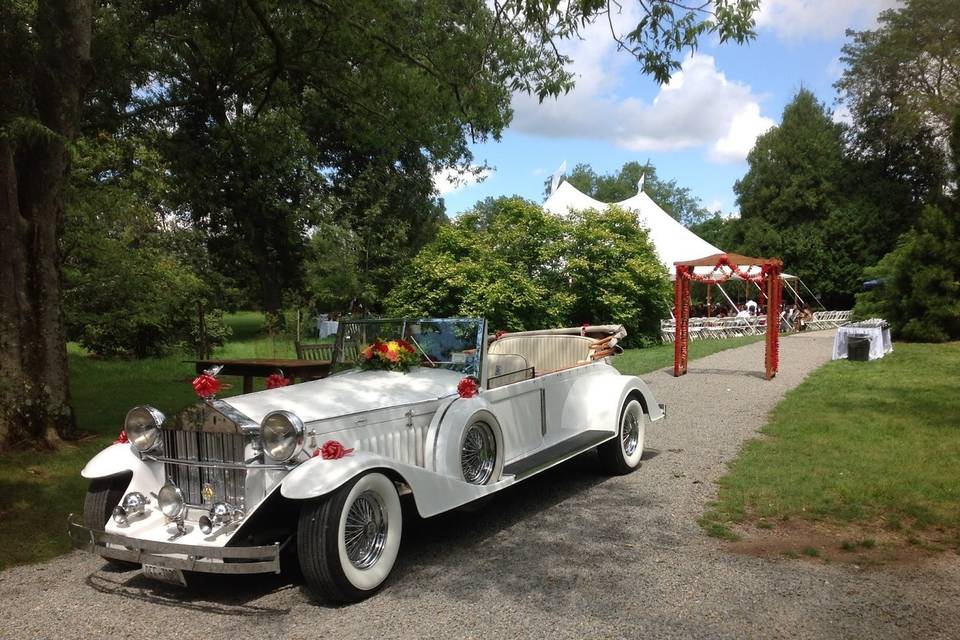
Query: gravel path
(568, 554)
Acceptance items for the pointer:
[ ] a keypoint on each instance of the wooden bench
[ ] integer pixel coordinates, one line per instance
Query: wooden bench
(322, 351)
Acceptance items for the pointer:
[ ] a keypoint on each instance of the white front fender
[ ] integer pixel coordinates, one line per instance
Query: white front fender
(432, 492)
(120, 458)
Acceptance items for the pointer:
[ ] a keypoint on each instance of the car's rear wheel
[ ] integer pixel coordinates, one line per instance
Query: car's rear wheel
(348, 541)
(103, 495)
(622, 454)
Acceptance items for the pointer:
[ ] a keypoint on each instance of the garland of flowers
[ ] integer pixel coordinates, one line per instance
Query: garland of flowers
(393, 355)
(735, 270)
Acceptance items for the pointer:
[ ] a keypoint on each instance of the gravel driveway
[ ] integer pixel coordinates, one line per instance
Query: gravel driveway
(568, 554)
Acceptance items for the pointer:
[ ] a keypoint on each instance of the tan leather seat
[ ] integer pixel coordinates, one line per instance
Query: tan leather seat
(546, 352)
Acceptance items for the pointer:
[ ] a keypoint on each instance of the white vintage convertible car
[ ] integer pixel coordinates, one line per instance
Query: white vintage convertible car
(319, 468)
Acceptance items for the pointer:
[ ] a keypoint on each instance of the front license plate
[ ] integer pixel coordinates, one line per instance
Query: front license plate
(163, 574)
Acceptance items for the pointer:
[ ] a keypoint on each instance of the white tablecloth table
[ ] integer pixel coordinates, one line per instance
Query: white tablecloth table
(879, 335)
(327, 328)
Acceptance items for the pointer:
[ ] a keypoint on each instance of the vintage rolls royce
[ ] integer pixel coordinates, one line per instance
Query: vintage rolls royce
(434, 408)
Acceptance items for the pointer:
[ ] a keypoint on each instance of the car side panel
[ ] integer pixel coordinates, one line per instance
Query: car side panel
(433, 493)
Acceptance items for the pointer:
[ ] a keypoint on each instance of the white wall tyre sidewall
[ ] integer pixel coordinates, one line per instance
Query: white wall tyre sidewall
(632, 408)
(372, 577)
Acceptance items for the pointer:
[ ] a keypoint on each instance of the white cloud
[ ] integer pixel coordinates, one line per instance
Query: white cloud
(746, 125)
(448, 181)
(699, 107)
(799, 19)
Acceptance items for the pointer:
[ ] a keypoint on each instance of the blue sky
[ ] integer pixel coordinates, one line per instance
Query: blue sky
(696, 130)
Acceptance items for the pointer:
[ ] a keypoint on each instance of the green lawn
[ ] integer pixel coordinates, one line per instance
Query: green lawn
(639, 361)
(864, 443)
(39, 489)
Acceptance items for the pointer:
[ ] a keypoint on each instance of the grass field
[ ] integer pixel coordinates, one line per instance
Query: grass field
(857, 444)
(39, 488)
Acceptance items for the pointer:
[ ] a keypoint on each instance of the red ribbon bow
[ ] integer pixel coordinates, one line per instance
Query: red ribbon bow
(332, 450)
(205, 385)
(468, 387)
(275, 380)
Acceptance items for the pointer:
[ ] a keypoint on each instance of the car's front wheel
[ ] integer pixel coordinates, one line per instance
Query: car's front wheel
(103, 495)
(348, 541)
(622, 454)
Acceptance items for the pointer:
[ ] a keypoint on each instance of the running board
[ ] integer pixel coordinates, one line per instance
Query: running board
(556, 454)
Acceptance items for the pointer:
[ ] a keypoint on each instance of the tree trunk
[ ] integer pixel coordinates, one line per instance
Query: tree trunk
(34, 163)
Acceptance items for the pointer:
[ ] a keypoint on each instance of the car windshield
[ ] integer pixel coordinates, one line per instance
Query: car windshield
(449, 343)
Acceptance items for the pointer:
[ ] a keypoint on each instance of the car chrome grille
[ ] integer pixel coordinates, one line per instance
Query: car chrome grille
(203, 447)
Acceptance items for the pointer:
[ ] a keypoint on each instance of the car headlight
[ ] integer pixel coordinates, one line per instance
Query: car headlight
(142, 425)
(282, 435)
(171, 502)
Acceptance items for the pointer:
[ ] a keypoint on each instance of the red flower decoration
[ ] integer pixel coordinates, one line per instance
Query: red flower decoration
(122, 438)
(276, 380)
(205, 385)
(468, 387)
(332, 450)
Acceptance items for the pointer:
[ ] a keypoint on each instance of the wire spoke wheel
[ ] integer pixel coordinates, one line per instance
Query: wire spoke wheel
(365, 531)
(630, 430)
(478, 453)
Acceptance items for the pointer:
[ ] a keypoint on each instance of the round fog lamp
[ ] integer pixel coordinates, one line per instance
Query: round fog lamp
(171, 502)
(142, 426)
(282, 435)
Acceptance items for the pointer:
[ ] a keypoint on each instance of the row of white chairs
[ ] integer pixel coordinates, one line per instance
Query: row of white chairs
(733, 327)
(828, 320)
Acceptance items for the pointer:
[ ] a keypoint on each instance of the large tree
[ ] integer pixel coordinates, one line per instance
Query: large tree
(268, 113)
(902, 84)
(805, 200)
(46, 67)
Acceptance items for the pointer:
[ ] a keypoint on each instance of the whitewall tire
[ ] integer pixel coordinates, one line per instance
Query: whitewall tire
(347, 542)
(622, 454)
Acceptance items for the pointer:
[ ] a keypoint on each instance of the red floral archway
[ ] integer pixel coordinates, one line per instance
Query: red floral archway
(725, 267)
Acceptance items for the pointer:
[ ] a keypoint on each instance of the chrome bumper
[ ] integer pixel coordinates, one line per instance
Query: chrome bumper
(187, 557)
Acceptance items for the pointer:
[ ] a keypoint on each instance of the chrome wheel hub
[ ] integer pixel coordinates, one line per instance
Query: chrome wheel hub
(630, 432)
(365, 532)
(478, 455)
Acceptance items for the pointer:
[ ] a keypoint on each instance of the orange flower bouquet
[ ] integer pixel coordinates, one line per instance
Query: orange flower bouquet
(391, 355)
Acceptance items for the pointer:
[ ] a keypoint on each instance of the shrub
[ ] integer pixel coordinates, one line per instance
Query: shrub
(523, 268)
(920, 296)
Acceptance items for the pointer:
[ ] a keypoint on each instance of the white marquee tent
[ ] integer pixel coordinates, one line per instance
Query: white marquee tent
(672, 241)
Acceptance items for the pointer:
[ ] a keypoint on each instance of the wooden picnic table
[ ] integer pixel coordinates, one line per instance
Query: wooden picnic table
(251, 368)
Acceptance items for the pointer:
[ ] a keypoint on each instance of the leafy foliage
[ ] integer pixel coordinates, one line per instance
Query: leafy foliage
(523, 268)
(902, 84)
(804, 200)
(126, 290)
(920, 296)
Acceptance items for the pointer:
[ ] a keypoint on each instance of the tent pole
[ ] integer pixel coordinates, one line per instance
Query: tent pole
(795, 294)
(719, 286)
(813, 294)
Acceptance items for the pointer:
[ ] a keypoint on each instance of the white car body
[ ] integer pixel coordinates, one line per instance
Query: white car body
(408, 426)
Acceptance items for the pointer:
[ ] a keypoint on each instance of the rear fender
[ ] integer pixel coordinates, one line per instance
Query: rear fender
(597, 400)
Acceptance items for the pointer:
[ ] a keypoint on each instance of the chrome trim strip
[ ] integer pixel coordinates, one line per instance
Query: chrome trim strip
(220, 465)
(262, 559)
